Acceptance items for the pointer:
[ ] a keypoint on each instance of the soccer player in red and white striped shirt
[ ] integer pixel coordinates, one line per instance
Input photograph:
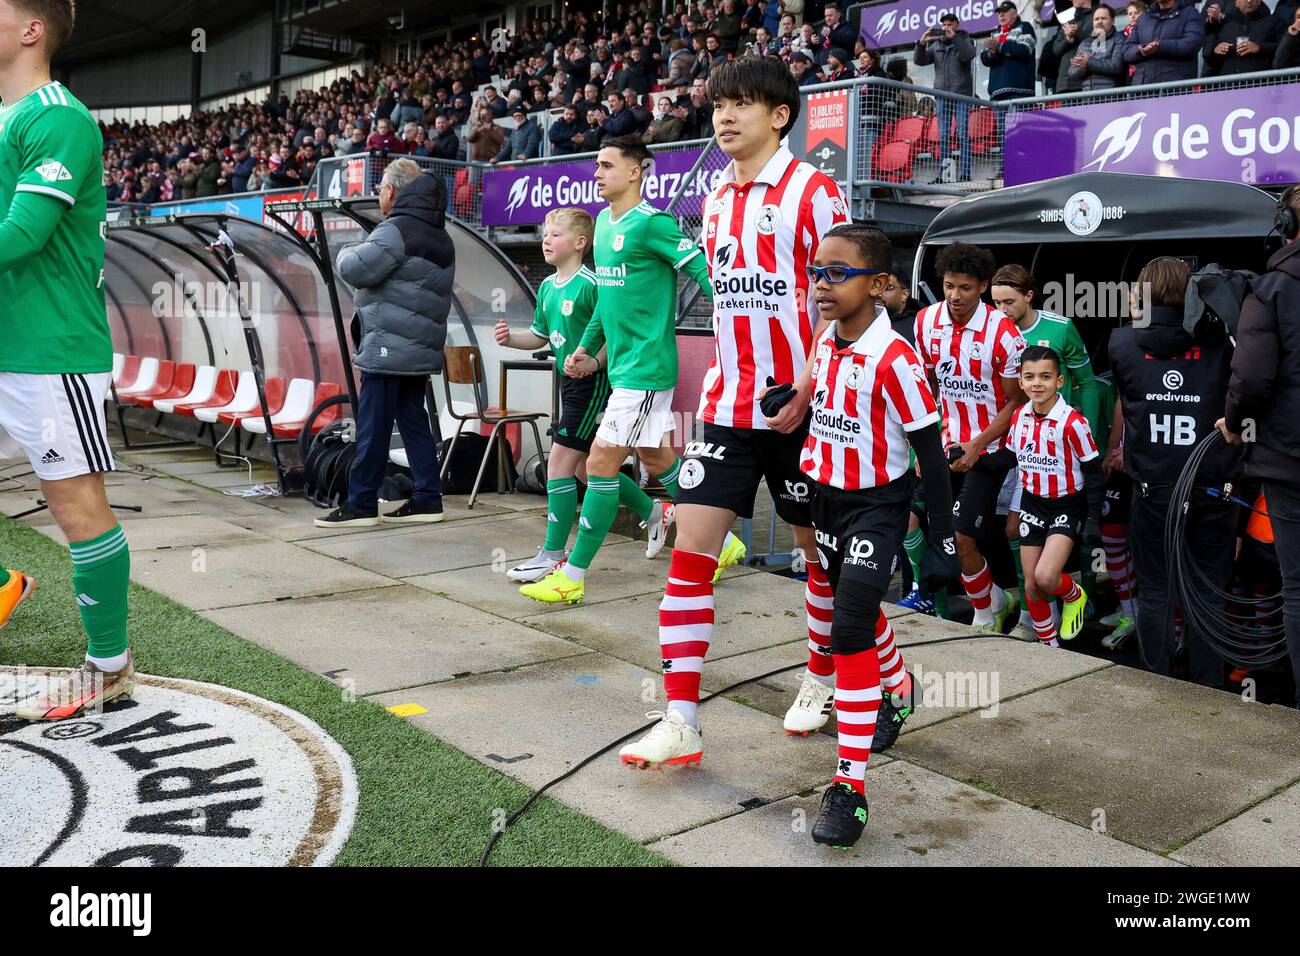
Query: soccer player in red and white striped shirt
(1061, 474)
(871, 404)
(972, 353)
(762, 226)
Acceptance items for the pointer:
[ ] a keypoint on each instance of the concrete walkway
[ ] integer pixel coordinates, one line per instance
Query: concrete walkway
(1021, 754)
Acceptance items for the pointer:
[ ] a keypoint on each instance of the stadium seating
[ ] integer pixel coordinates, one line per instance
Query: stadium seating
(204, 388)
(180, 384)
(241, 396)
(275, 394)
(299, 399)
(138, 374)
(126, 373)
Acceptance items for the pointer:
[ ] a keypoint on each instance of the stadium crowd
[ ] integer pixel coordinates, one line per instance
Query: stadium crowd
(635, 71)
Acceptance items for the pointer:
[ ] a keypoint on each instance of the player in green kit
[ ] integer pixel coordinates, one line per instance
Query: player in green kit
(638, 252)
(57, 357)
(1013, 292)
(565, 303)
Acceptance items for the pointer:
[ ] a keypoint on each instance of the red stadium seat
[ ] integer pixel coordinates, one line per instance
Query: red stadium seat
(910, 130)
(332, 414)
(462, 177)
(983, 128)
(182, 380)
(463, 202)
(895, 162)
(275, 388)
(130, 369)
(227, 379)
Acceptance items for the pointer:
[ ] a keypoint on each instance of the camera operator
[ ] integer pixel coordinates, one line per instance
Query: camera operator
(1171, 386)
(1263, 395)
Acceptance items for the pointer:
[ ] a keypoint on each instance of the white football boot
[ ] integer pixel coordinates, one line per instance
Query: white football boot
(671, 741)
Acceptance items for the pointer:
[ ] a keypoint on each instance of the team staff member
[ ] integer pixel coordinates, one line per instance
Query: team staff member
(761, 224)
(1171, 388)
(1061, 483)
(972, 355)
(638, 251)
(870, 403)
(1114, 517)
(565, 303)
(56, 361)
(1265, 391)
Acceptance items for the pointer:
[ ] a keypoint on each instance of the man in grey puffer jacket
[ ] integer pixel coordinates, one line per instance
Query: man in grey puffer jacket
(1099, 63)
(402, 275)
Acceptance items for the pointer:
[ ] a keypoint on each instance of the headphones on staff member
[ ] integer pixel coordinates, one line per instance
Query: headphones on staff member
(1284, 219)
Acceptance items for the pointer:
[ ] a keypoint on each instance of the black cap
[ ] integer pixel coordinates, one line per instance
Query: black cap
(949, 16)
(1006, 5)
(839, 53)
(800, 58)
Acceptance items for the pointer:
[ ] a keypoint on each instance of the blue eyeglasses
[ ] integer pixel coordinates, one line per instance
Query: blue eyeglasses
(837, 274)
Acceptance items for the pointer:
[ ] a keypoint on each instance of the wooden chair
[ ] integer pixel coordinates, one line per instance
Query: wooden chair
(464, 366)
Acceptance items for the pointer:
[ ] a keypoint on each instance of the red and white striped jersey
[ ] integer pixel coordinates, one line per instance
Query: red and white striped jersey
(1051, 449)
(759, 237)
(866, 397)
(969, 362)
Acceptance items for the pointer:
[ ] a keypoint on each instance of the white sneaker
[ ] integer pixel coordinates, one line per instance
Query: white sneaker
(811, 708)
(657, 525)
(671, 741)
(536, 567)
(1125, 627)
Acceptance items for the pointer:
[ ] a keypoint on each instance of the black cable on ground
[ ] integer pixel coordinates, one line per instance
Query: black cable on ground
(1204, 603)
(492, 842)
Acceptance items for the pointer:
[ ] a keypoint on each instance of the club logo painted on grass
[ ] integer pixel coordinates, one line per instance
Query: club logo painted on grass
(186, 774)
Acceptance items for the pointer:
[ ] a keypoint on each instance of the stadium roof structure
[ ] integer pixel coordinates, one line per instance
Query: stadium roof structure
(109, 28)
(1101, 207)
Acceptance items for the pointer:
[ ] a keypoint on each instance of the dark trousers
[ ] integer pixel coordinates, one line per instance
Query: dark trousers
(1210, 542)
(1284, 514)
(383, 400)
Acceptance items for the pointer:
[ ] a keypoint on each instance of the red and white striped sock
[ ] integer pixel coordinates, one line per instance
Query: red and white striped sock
(819, 601)
(1044, 621)
(979, 588)
(857, 699)
(685, 628)
(1114, 538)
(1066, 589)
(893, 676)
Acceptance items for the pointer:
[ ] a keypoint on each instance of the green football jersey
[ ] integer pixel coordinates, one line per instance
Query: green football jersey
(1060, 334)
(54, 318)
(637, 257)
(563, 311)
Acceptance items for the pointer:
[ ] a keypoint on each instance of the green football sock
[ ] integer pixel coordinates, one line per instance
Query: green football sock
(914, 548)
(633, 498)
(941, 604)
(4, 575)
(1020, 571)
(561, 509)
(669, 478)
(101, 572)
(598, 511)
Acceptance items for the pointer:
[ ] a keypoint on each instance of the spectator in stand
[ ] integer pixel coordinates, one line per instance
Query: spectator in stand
(244, 163)
(1288, 48)
(1065, 46)
(633, 104)
(384, 139)
(808, 41)
(869, 64)
(665, 127)
(486, 138)
(285, 173)
(566, 133)
(590, 99)
(896, 70)
(763, 44)
(727, 27)
(494, 102)
(445, 143)
(1245, 41)
(836, 32)
(1009, 54)
(837, 66)
(1165, 42)
(594, 131)
(1099, 64)
(701, 121)
(1213, 11)
(680, 61)
(209, 173)
(1135, 9)
(621, 121)
(524, 141)
(951, 51)
(785, 35)
(803, 70)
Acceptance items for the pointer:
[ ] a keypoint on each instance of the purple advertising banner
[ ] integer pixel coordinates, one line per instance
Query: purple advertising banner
(524, 195)
(903, 21)
(1248, 136)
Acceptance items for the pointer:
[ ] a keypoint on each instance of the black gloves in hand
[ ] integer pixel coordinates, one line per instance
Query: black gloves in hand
(939, 566)
(1092, 534)
(776, 398)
